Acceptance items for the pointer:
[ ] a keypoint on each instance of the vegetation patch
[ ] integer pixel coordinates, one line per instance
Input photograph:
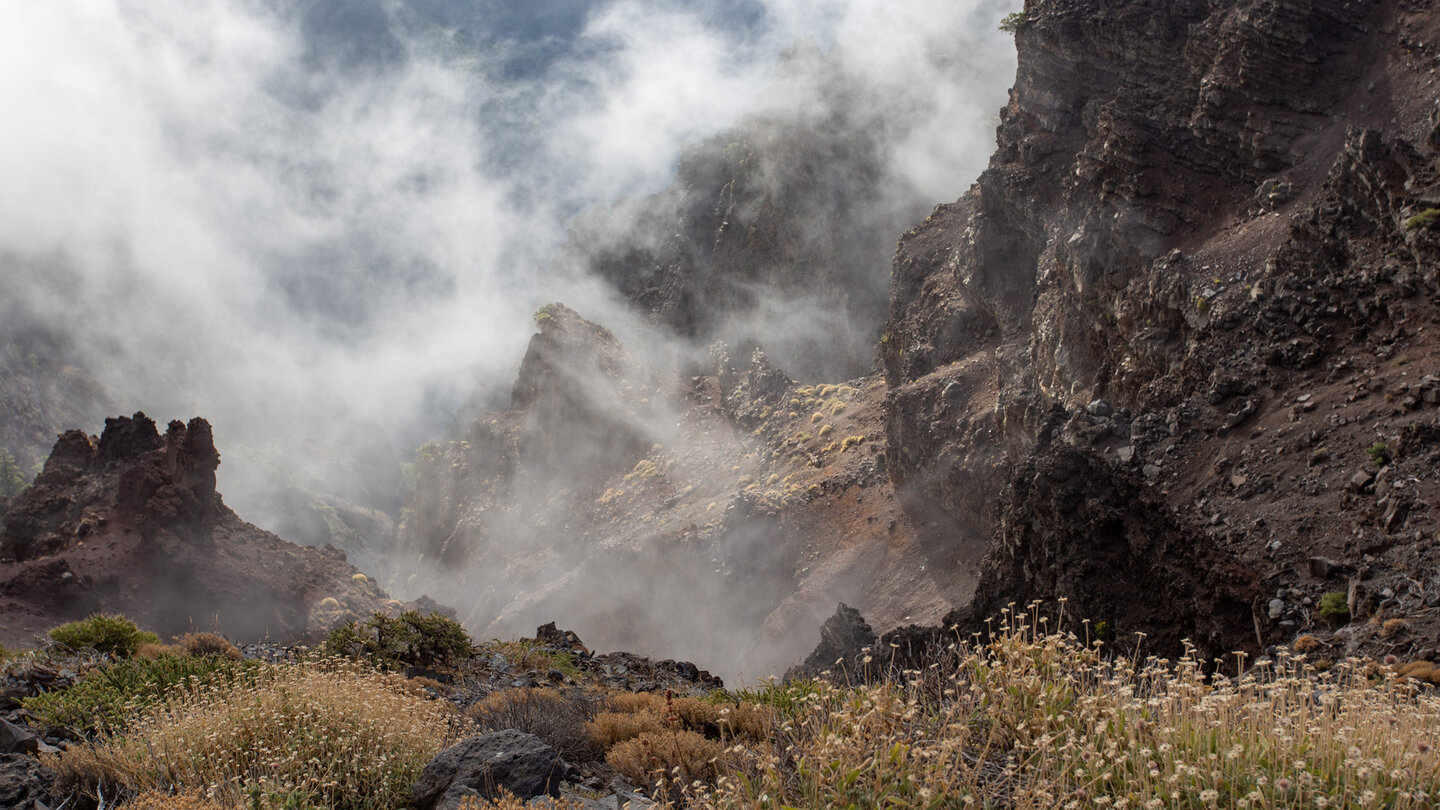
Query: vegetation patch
(316, 735)
(1035, 719)
(558, 719)
(1424, 219)
(410, 639)
(104, 633)
(108, 695)
(1334, 606)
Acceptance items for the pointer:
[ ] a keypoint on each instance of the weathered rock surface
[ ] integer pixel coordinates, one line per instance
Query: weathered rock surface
(844, 636)
(130, 522)
(1211, 217)
(24, 782)
(487, 766)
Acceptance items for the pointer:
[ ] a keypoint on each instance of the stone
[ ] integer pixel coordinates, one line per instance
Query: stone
(17, 739)
(1323, 567)
(23, 781)
(1151, 471)
(845, 635)
(1359, 480)
(1099, 408)
(563, 639)
(1395, 513)
(1276, 608)
(1125, 454)
(484, 765)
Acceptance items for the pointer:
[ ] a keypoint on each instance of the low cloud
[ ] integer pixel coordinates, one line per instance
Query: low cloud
(315, 221)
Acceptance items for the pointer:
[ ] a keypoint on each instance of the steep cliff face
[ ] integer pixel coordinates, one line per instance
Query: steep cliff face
(1201, 241)
(130, 522)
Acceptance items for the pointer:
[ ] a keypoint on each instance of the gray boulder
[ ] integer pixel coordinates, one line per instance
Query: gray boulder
(487, 764)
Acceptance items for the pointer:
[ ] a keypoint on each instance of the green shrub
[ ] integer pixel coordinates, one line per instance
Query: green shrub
(107, 697)
(1423, 219)
(1379, 453)
(1013, 22)
(1334, 606)
(410, 639)
(112, 635)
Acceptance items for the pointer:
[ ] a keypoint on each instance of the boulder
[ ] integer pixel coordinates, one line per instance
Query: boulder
(17, 739)
(485, 765)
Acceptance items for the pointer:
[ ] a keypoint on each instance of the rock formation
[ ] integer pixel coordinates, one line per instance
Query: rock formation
(130, 522)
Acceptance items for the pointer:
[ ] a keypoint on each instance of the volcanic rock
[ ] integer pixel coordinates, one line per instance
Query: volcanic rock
(130, 522)
(486, 767)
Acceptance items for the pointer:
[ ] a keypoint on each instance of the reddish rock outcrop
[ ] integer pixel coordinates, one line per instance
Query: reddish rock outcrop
(130, 522)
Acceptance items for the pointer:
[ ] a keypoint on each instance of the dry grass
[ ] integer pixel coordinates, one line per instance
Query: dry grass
(202, 644)
(1037, 719)
(323, 734)
(511, 802)
(670, 759)
(166, 801)
(556, 718)
(611, 728)
(150, 652)
(632, 714)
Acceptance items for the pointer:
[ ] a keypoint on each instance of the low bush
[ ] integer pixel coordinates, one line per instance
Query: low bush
(1334, 606)
(112, 635)
(324, 734)
(107, 696)
(558, 719)
(1424, 219)
(410, 639)
(202, 644)
(671, 760)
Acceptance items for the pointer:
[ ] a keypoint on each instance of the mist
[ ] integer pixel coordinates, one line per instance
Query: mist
(322, 225)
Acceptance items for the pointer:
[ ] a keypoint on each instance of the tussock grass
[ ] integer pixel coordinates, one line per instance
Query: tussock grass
(202, 644)
(670, 758)
(558, 719)
(1039, 719)
(152, 800)
(321, 734)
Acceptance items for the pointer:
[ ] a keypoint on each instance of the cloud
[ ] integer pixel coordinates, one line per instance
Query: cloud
(313, 221)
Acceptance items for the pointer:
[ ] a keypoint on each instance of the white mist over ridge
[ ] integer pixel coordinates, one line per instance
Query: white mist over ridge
(231, 215)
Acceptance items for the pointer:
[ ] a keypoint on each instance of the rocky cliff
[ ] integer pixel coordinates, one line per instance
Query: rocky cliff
(130, 522)
(1187, 305)
(1174, 340)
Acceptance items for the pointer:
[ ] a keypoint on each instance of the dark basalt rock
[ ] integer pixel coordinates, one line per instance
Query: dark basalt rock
(487, 765)
(845, 636)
